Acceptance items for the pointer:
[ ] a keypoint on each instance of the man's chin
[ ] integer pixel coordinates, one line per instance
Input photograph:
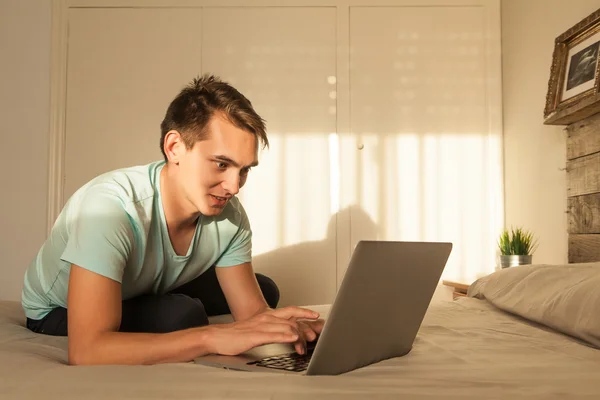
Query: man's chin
(212, 211)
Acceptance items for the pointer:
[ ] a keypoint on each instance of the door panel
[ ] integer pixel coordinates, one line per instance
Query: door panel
(283, 59)
(422, 150)
(125, 65)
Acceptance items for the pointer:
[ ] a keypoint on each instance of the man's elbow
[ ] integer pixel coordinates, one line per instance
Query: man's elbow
(80, 356)
(76, 360)
(82, 353)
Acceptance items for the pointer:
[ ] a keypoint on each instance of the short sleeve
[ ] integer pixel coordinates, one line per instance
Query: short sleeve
(239, 250)
(101, 236)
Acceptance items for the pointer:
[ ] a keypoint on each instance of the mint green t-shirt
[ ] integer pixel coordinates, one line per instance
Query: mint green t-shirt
(115, 226)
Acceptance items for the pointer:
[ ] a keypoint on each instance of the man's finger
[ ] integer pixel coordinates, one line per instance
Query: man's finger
(300, 345)
(274, 337)
(272, 319)
(307, 331)
(280, 325)
(316, 326)
(295, 312)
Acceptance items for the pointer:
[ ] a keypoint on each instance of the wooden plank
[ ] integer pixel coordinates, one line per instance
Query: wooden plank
(583, 185)
(456, 295)
(582, 109)
(584, 214)
(583, 175)
(459, 287)
(584, 137)
(584, 248)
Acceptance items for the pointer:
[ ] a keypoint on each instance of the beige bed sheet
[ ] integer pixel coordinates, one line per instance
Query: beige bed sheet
(563, 297)
(465, 349)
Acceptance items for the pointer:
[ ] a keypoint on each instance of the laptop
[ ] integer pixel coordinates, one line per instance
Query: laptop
(376, 314)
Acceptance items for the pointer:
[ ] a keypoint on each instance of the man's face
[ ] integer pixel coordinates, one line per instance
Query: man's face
(215, 169)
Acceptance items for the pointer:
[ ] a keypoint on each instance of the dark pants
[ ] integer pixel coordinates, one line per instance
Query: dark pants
(187, 306)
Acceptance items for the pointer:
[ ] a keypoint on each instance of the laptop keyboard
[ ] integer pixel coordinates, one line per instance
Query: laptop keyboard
(289, 362)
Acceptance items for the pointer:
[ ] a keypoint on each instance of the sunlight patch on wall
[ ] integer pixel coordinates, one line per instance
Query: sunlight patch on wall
(286, 198)
(434, 187)
(334, 173)
(263, 198)
(405, 155)
(409, 187)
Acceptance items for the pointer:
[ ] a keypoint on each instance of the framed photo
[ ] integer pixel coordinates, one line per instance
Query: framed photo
(574, 84)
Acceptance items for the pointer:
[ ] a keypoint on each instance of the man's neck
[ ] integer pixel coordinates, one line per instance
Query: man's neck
(178, 213)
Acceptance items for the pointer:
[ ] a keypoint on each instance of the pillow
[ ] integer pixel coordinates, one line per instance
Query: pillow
(564, 297)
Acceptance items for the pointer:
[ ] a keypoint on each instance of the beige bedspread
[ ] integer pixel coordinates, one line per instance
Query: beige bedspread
(465, 349)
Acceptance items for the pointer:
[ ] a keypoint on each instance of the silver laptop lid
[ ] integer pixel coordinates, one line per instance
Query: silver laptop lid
(380, 306)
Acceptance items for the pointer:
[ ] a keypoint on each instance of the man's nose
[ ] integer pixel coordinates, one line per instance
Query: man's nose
(232, 184)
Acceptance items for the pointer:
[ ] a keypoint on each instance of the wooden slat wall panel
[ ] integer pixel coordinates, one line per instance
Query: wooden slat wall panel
(583, 175)
(583, 189)
(584, 214)
(584, 248)
(584, 137)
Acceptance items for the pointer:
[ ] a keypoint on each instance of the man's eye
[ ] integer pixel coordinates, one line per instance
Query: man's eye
(221, 165)
(244, 171)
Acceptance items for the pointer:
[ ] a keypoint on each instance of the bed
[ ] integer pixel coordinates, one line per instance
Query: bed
(525, 332)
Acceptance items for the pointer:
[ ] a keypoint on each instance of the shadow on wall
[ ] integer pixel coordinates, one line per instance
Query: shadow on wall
(306, 272)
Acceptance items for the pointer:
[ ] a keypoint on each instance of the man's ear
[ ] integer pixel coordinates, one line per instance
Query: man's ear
(174, 146)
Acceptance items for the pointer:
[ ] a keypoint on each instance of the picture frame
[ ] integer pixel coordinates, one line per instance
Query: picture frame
(574, 84)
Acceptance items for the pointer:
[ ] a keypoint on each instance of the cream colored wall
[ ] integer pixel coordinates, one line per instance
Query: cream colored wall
(534, 153)
(535, 185)
(24, 114)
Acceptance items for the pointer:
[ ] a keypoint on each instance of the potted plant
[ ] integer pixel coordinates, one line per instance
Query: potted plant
(516, 247)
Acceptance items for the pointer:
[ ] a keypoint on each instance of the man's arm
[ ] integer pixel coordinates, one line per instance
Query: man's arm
(94, 315)
(242, 291)
(245, 301)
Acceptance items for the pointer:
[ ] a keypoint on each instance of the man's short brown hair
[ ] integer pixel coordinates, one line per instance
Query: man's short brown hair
(192, 109)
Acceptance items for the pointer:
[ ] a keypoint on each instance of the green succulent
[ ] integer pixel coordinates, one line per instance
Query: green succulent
(517, 242)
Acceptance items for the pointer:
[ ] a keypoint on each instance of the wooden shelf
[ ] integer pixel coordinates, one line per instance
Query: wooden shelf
(459, 289)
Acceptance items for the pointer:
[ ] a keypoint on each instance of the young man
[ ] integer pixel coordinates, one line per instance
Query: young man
(140, 257)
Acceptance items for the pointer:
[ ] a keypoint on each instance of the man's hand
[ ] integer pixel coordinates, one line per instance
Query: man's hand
(284, 325)
(308, 329)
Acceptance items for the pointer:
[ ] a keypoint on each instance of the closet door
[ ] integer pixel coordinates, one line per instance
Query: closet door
(125, 65)
(425, 149)
(284, 60)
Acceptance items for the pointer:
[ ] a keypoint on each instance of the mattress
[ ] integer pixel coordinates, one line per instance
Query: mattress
(467, 348)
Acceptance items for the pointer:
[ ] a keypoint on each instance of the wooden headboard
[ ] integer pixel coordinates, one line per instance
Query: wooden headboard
(583, 189)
